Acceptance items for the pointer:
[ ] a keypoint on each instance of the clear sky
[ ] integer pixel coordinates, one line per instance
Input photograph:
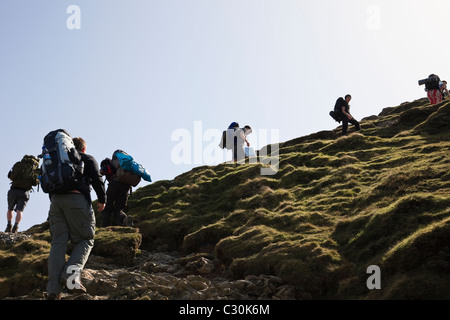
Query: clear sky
(138, 72)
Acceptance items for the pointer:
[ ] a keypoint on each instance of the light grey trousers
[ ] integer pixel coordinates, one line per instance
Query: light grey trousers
(71, 217)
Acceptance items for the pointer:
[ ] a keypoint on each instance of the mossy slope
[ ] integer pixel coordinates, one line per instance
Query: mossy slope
(23, 264)
(336, 206)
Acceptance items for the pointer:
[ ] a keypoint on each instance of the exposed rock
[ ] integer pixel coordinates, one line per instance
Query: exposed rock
(12, 238)
(202, 266)
(162, 276)
(119, 244)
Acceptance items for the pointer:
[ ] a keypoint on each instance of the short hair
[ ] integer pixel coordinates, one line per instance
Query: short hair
(347, 96)
(79, 143)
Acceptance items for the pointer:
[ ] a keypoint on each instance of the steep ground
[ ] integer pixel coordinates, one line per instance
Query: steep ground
(336, 206)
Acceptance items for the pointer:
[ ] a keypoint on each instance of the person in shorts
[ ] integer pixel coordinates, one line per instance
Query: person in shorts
(17, 200)
(23, 175)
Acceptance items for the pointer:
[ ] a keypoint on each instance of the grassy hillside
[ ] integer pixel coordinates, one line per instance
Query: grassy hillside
(336, 206)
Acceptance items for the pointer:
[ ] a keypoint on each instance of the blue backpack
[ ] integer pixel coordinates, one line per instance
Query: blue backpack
(127, 163)
(223, 141)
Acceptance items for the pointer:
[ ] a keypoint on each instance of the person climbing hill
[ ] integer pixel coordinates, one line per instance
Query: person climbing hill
(342, 110)
(24, 175)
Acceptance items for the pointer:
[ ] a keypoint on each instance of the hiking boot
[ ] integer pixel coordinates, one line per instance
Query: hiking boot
(14, 229)
(54, 296)
(8, 228)
(77, 287)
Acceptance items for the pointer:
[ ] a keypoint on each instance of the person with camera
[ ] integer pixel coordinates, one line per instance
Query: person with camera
(433, 89)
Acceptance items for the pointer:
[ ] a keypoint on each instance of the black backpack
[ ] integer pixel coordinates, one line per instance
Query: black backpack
(62, 167)
(335, 116)
(25, 173)
(336, 112)
(433, 82)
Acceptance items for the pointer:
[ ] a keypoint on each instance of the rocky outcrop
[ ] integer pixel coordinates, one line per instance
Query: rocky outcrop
(118, 270)
(168, 276)
(12, 238)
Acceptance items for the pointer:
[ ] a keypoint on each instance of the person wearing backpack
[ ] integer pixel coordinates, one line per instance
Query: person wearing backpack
(116, 195)
(228, 139)
(241, 139)
(342, 109)
(24, 176)
(72, 217)
(432, 87)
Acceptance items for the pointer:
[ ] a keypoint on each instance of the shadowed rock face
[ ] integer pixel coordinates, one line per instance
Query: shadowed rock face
(336, 206)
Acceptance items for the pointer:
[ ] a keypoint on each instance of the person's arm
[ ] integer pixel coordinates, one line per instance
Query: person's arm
(346, 113)
(92, 171)
(244, 137)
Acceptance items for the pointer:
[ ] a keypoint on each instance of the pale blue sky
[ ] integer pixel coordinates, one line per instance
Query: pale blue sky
(137, 71)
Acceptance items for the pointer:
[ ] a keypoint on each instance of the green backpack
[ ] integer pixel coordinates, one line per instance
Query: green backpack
(25, 173)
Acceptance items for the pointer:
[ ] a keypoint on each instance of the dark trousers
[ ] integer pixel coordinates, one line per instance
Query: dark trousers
(116, 201)
(345, 122)
(238, 151)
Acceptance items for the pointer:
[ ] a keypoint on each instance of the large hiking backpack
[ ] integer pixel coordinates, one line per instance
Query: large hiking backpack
(335, 116)
(233, 125)
(336, 112)
(25, 173)
(432, 82)
(62, 167)
(127, 170)
(229, 133)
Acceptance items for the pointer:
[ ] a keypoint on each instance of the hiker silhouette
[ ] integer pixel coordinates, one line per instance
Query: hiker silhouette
(342, 111)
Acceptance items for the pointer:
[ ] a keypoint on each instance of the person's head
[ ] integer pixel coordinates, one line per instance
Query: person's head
(105, 166)
(348, 98)
(247, 130)
(80, 144)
